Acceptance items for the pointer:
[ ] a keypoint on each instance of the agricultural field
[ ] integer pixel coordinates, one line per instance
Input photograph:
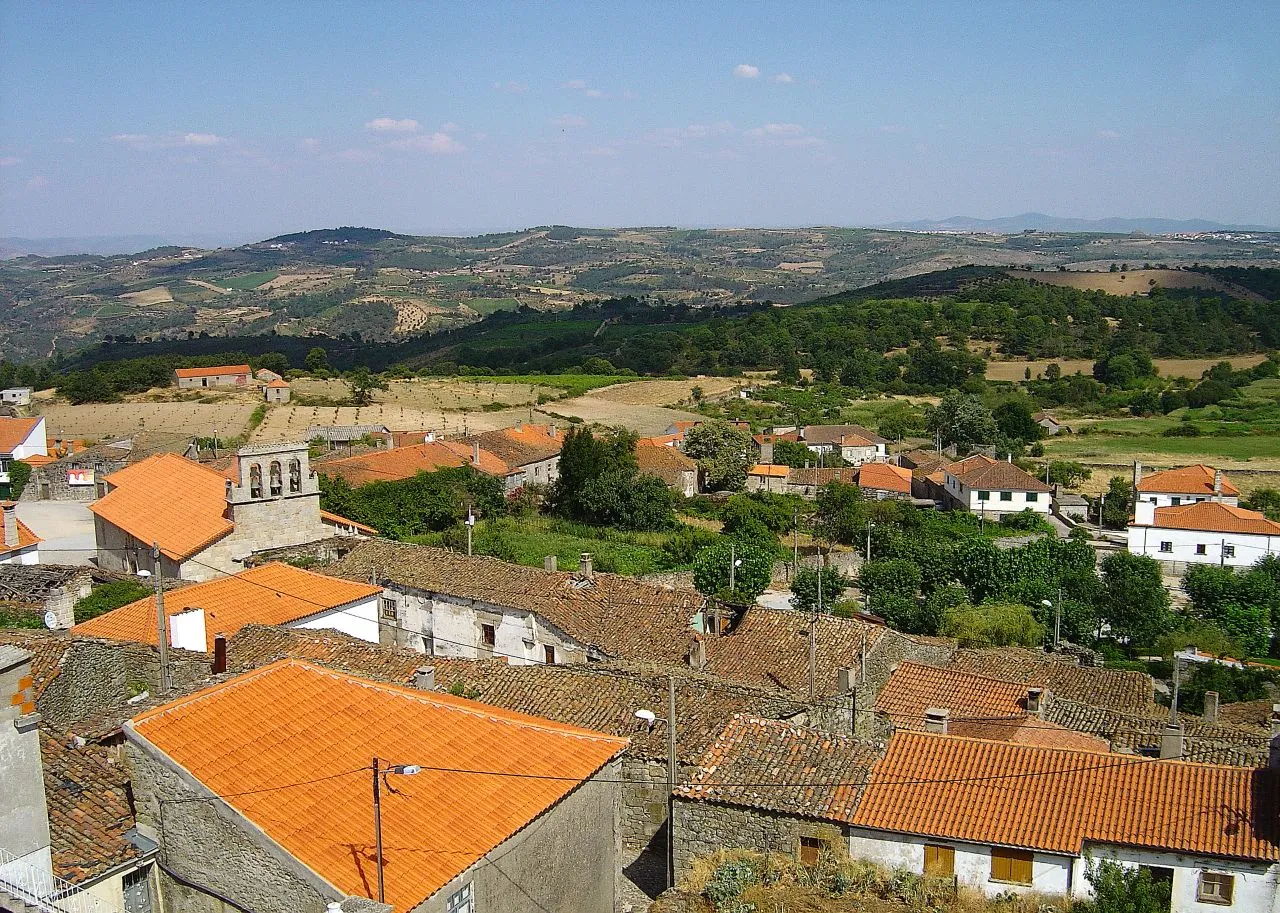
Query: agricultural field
(644, 420)
(1137, 281)
(110, 421)
(667, 392)
(290, 422)
(248, 281)
(1168, 367)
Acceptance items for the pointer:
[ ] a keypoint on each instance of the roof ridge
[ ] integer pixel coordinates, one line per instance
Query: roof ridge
(976, 675)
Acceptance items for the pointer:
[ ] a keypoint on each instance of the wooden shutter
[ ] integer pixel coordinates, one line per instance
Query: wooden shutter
(810, 851)
(939, 861)
(1013, 866)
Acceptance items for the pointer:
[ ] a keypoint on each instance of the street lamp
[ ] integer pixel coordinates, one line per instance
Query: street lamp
(734, 564)
(379, 773)
(650, 719)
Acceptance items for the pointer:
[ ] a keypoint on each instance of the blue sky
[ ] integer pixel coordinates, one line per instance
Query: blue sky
(245, 120)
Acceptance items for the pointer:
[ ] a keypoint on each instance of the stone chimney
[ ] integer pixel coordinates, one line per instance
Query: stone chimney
(766, 452)
(584, 566)
(10, 523)
(475, 453)
(935, 720)
(424, 678)
(551, 431)
(846, 680)
(1171, 742)
(219, 654)
(1217, 485)
(549, 563)
(1137, 473)
(1036, 700)
(1210, 714)
(697, 653)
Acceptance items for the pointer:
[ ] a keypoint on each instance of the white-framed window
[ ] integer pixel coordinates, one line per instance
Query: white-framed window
(1228, 551)
(461, 901)
(1166, 547)
(1216, 887)
(388, 607)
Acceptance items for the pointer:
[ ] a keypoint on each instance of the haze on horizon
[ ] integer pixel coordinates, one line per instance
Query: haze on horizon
(247, 120)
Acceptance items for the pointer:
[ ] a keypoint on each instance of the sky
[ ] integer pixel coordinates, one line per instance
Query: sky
(247, 120)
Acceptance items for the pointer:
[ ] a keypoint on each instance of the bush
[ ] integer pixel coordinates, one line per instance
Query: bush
(19, 475)
(1123, 889)
(109, 596)
(992, 625)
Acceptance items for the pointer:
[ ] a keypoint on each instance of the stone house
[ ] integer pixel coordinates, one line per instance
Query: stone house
(205, 522)
(768, 477)
(15, 396)
(980, 484)
(338, 436)
(531, 452)
(669, 464)
(50, 588)
(266, 376)
(1186, 485)
(1050, 424)
(548, 818)
(18, 544)
(1204, 532)
(219, 376)
(276, 391)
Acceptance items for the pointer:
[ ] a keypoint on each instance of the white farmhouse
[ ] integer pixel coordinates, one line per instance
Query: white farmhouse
(980, 484)
(1206, 532)
(853, 443)
(1187, 485)
(20, 438)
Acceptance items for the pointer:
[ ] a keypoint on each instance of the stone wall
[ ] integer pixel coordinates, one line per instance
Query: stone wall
(49, 482)
(704, 827)
(890, 650)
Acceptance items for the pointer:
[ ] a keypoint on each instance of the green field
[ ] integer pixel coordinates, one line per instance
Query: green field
(247, 281)
(572, 384)
(1123, 447)
(483, 306)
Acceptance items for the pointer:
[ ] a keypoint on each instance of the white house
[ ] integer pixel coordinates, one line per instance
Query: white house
(1186, 485)
(16, 396)
(18, 544)
(855, 444)
(1205, 532)
(20, 438)
(980, 484)
(219, 376)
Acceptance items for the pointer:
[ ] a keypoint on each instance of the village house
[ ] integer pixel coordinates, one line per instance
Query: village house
(276, 391)
(49, 589)
(271, 594)
(531, 452)
(18, 544)
(678, 471)
(445, 840)
(20, 438)
(980, 484)
(1204, 532)
(206, 523)
(878, 481)
(338, 436)
(852, 443)
(1187, 485)
(15, 396)
(928, 474)
(266, 376)
(445, 604)
(1050, 424)
(219, 376)
(395, 463)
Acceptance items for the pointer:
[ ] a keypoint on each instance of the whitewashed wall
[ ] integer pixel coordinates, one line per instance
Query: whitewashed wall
(1146, 540)
(1256, 884)
(1166, 499)
(1017, 503)
(359, 619)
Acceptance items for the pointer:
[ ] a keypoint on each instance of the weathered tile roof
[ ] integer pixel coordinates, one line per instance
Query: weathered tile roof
(230, 738)
(835, 434)
(1055, 800)
(26, 538)
(914, 688)
(667, 463)
(1255, 714)
(47, 649)
(1116, 689)
(211, 372)
(257, 645)
(815, 476)
(269, 594)
(885, 477)
(37, 582)
(1186, 480)
(393, 464)
(13, 431)
(169, 500)
(770, 471)
(781, 767)
(1214, 517)
(622, 617)
(981, 471)
(332, 519)
(520, 446)
(89, 809)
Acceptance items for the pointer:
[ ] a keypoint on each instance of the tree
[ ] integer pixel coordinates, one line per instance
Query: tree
(362, 382)
(992, 625)
(108, 596)
(962, 420)
(1053, 371)
(899, 420)
(841, 513)
(599, 483)
(893, 577)
(723, 452)
(273, 361)
(90, 386)
(1068, 474)
(805, 587)
(1124, 889)
(1119, 503)
(317, 361)
(597, 365)
(1134, 601)
(751, 576)
(793, 453)
(1013, 418)
(1231, 684)
(1265, 500)
(19, 476)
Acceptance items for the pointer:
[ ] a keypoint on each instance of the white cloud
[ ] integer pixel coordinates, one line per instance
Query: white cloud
(784, 78)
(784, 134)
(569, 120)
(38, 182)
(8, 160)
(438, 143)
(515, 88)
(200, 139)
(168, 140)
(574, 85)
(746, 71)
(392, 125)
(1108, 134)
(594, 93)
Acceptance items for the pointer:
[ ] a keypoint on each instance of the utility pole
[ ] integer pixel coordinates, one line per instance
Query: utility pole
(1057, 621)
(1102, 505)
(377, 827)
(813, 639)
(795, 544)
(733, 563)
(671, 780)
(162, 629)
(1222, 553)
(869, 525)
(471, 522)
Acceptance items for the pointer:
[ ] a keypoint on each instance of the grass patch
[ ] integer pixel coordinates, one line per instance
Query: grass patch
(484, 306)
(1122, 446)
(247, 281)
(572, 384)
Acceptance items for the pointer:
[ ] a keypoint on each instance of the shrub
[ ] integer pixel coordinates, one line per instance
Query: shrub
(109, 596)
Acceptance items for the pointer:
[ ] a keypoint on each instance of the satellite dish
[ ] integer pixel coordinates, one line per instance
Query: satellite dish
(50, 620)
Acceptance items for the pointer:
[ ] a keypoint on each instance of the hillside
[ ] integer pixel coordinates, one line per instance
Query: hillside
(385, 286)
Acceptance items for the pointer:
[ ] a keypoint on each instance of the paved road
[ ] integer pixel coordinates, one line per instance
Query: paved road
(66, 528)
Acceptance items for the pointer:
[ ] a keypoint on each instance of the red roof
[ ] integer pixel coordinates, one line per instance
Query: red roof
(278, 385)
(217, 371)
(1214, 517)
(885, 477)
(1188, 480)
(14, 431)
(399, 462)
(26, 538)
(981, 471)
(770, 470)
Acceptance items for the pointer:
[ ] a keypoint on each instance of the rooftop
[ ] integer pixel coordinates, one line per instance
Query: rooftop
(1117, 689)
(216, 371)
(885, 477)
(835, 434)
(770, 470)
(1055, 800)
(26, 538)
(393, 464)
(270, 594)
(1214, 517)
(229, 738)
(816, 477)
(520, 445)
(13, 431)
(1186, 480)
(981, 471)
(667, 463)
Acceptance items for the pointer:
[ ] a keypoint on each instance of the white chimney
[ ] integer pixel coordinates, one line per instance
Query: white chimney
(935, 720)
(1217, 485)
(1171, 742)
(584, 566)
(10, 523)
(518, 425)
(475, 453)
(551, 431)
(1144, 513)
(1210, 714)
(424, 678)
(430, 438)
(549, 563)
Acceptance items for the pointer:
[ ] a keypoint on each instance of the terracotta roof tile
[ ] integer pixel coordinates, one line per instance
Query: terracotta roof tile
(26, 538)
(215, 371)
(1186, 480)
(1117, 689)
(622, 617)
(13, 431)
(913, 688)
(770, 471)
(333, 519)
(981, 471)
(1056, 800)
(230, 738)
(817, 477)
(391, 465)
(782, 767)
(270, 594)
(1248, 714)
(490, 463)
(278, 384)
(885, 477)
(662, 440)
(47, 648)
(1214, 517)
(170, 500)
(664, 462)
(517, 447)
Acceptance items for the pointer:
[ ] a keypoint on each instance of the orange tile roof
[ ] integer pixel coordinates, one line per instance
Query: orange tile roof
(396, 463)
(316, 730)
(1055, 800)
(216, 371)
(490, 464)
(26, 538)
(885, 477)
(278, 384)
(13, 431)
(271, 594)
(771, 470)
(913, 688)
(39, 459)
(1214, 517)
(337, 520)
(520, 446)
(981, 471)
(1187, 480)
(662, 440)
(169, 500)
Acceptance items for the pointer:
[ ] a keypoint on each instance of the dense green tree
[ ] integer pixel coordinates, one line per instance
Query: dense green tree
(1124, 889)
(599, 483)
(19, 476)
(892, 577)
(361, 382)
(1265, 500)
(596, 365)
(1231, 684)
(806, 584)
(723, 452)
(272, 361)
(1068, 474)
(428, 502)
(793, 453)
(752, 571)
(1134, 601)
(109, 596)
(992, 625)
(1013, 418)
(841, 514)
(317, 360)
(961, 419)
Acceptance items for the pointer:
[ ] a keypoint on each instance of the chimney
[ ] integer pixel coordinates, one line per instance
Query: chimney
(1144, 513)
(846, 680)
(551, 431)
(518, 425)
(430, 438)
(935, 720)
(475, 453)
(766, 452)
(697, 653)
(1036, 701)
(584, 566)
(1210, 714)
(549, 563)
(1217, 485)
(10, 523)
(1171, 742)
(219, 654)
(1137, 473)
(424, 678)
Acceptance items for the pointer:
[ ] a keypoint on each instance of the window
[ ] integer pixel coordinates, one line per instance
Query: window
(810, 851)
(1006, 496)
(1033, 497)
(277, 484)
(255, 481)
(137, 891)
(1166, 547)
(1202, 549)
(1216, 887)
(1228, 551)
(549, 654)
(1175, 501)
(388, 609)
(984, 496)
(488, 635)
(1013, 866)
(939, 861)
(295, 476)
(461, 901)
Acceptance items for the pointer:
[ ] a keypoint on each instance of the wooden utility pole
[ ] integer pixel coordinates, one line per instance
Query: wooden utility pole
(162, 628)
(377, 829)
(671, 780)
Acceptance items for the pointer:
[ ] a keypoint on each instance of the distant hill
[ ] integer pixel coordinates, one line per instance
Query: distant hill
(108, 245)
(1036, 221)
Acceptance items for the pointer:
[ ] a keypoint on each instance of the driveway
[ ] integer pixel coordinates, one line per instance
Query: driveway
(66, 528)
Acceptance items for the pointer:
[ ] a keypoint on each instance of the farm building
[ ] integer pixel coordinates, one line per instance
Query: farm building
(16, 396)
(669, 464)
(277, 391)
(219, 376)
